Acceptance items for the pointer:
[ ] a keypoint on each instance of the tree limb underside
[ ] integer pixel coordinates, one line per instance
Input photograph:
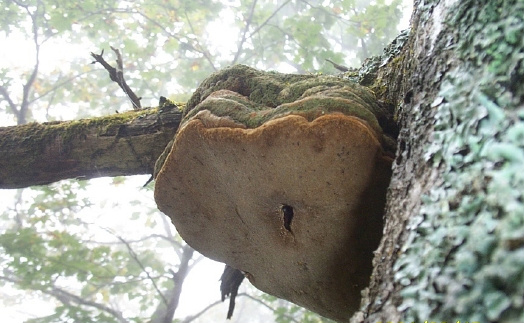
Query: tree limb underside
(117, 145)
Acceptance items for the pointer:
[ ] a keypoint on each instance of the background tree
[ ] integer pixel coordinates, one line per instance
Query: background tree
(58, 244)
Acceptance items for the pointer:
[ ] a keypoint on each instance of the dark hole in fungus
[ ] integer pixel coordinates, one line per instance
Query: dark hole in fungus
(287, 212)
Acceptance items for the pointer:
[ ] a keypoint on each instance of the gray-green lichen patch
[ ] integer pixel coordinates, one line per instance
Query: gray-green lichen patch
(464, 258)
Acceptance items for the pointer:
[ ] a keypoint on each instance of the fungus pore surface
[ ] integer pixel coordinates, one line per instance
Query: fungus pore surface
(294, 201)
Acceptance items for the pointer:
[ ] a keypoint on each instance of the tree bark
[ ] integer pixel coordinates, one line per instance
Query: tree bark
(453, 232)
(121, 144)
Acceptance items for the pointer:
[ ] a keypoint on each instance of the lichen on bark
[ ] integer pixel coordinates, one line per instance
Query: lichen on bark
(463, 259)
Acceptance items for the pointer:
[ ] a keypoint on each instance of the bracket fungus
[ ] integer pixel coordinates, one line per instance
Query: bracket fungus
(283, 177)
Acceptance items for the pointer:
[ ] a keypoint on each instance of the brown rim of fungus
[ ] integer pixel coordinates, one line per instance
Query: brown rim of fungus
(224, 189)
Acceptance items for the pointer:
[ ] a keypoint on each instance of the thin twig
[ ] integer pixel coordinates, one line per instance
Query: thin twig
(117, 75)
(151, 236)
(329, 13)
(133, 255)
(268, 18)
(55, 87)
(203, 51)
(67, 298)
(170, 237)
(174, 36)
(10, 102)
(244, 32)
(156, 23)
(291, 318)
(191, 318)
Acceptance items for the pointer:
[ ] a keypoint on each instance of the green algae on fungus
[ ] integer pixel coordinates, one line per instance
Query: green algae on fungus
(231, 93)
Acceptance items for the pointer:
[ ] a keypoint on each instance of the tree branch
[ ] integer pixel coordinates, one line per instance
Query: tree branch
(133, 255)
(165, 314)
(27, 87)
(180, 276)
(191, 318)
(56, 86)
(68, 298)
(7, 97)
(117, 75)
(202, 50)
(21, 114)
(116, 145)
(151, 236)
(244, 32)
(268, 18)
(329, 13)
(289, 317)
(170, 237)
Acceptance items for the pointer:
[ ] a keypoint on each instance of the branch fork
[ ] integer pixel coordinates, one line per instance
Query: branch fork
(117, 75)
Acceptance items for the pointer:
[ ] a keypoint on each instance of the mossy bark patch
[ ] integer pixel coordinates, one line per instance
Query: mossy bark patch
(121, 144)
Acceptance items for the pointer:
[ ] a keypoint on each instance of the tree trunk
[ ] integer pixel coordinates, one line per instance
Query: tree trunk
(453, 240)
(165, 311)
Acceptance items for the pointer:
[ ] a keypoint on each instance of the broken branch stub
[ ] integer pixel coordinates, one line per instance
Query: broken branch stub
(291, 194)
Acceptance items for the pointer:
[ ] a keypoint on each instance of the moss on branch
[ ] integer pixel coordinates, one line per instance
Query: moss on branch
(121, 144)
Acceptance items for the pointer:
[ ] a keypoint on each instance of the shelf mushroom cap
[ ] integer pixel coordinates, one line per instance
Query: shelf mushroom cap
(296, 203)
